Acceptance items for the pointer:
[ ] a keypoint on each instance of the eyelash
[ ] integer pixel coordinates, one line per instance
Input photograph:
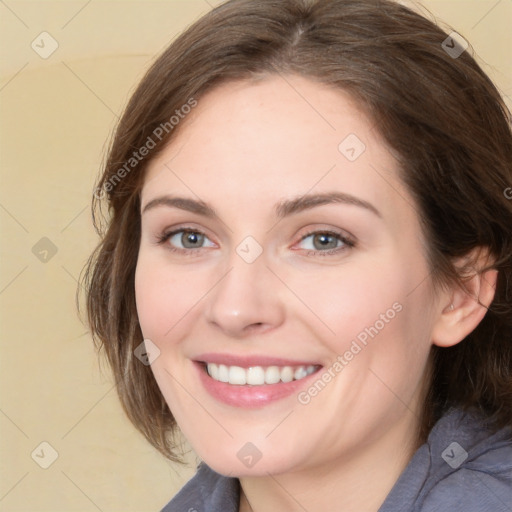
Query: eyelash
(348, 243)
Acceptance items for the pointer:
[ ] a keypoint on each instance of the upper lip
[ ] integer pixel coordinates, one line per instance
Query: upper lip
(248, 361)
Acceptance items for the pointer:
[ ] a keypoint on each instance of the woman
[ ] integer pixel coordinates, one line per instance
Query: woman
(311, 230)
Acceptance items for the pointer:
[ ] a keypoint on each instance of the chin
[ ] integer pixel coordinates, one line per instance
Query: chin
(247, 462)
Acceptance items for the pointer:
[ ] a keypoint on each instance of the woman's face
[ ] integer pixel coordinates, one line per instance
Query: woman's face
(277, 236)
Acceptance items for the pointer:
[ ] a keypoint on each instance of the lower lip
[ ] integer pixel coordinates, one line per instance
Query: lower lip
(249, 396)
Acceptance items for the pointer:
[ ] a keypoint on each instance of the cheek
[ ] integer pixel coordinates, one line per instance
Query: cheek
(345, 302)
(164, 298)
(374, 316)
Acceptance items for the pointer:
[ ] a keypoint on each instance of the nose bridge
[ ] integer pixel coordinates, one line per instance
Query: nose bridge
(245, 297)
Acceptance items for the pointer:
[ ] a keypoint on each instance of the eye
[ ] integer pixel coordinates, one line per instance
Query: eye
(325, 241)
(186, 239)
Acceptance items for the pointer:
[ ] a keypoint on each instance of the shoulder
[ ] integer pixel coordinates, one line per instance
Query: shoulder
(471, 467)
(207, 490)
(463, 467)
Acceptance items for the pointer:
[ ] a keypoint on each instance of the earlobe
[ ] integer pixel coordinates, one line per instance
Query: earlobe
(464, 309)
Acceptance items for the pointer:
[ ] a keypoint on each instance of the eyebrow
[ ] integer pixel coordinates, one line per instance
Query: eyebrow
(306, 202)
(282, 209)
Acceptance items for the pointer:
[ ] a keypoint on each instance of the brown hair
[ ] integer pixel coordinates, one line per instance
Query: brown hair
(441, 115)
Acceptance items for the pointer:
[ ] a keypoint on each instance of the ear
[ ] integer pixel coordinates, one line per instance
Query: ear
(461, 309)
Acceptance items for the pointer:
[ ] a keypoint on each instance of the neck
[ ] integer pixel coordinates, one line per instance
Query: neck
(359, 482)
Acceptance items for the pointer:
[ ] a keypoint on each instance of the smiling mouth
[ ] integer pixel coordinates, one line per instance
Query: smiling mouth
(258, 375)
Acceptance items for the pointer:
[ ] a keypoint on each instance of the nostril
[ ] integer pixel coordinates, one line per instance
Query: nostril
(255, 325)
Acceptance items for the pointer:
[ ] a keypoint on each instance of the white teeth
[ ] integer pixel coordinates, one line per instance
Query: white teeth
(237, 375)
(300, 373)
(287, 374)
(223, 373)
(272, 375)
(255, 375)
(258, 375)
(214, 371)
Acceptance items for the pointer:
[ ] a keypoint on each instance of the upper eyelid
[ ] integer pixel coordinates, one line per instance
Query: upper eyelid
(184, 227)
(331, 231)
(168, 233)
(345, 238)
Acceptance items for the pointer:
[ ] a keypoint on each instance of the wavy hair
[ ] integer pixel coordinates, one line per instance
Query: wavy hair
(442, 117)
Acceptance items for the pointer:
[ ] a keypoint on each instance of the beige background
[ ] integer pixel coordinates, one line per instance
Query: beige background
(56, 115)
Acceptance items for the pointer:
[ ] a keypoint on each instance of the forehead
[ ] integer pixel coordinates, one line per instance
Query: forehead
(259, 142)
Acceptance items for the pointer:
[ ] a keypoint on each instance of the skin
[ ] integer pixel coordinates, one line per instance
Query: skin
(243, 149)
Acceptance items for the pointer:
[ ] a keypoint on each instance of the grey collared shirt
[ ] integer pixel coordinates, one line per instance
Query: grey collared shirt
(461, 468)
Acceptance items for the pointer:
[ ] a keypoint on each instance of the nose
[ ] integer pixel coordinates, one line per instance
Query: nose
(246, 301)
